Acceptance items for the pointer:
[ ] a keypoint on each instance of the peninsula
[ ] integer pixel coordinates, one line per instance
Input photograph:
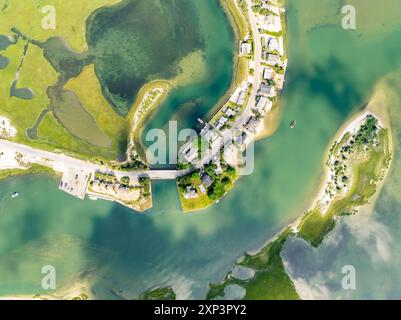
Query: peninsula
(208, 165)
(220, 154)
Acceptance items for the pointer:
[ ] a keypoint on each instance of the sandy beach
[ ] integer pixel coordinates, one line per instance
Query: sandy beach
(378, 107)
(78, 289)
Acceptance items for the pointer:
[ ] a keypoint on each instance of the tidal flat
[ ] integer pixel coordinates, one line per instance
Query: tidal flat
(330, 76)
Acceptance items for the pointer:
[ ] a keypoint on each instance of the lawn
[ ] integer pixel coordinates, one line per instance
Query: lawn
(189, 205)
(222, 184)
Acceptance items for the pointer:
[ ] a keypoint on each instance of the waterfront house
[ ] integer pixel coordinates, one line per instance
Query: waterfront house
(268, 74)
(261, 105)
(238, 97)
(270, 23)
(243, 140)
(245, 49)
(190, 192)
(274, 59)
(267, 90)
(267, 6)
(273, 45)
(206, 180)
(254, 125)
(220, 122)
(202, 189)
(209, 134)
(230, 112)
(191, 154)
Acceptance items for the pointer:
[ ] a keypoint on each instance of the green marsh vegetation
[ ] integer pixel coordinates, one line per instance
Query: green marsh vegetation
(100, 59)
(367, 155)
(166, 293)
(270, 281)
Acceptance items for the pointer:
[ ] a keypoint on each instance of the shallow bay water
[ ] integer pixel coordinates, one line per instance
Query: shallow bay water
(331, 74)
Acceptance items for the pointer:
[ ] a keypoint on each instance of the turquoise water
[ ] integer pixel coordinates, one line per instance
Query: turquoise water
(188, 103)
(3, 62)
(369, 241)
(138, 41)
(330, 75)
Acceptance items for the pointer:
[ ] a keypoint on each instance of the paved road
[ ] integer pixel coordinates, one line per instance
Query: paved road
(258, 68)
(227, 135)
(60, 162)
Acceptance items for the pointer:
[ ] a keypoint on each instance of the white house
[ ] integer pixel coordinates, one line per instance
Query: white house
(274, 59)
(275, 10)
(270, 23)
(243, 140)
(231, 154)
(261, 105)
(273, 45)
(191, 154)
(220, 122)
(238, 97)
(268, 74)
(235, 96)
(245, 49)
(230, 112)
(267, 90)
(190, 193)
(254, 125)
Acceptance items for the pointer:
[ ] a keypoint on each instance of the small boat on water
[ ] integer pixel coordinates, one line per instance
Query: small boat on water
(15, 195)
(293, 124)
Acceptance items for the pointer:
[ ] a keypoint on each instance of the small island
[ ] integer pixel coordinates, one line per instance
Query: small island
(358, 162)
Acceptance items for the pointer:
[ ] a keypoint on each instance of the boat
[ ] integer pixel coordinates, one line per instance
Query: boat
(293, 124)
(14, 195)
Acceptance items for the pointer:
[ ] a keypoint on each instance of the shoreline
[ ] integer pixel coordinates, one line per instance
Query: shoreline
(137, 136)
(245, 117)
(78, 290)
(223, 99)
(136, 126)
(374, 108)
(384, 120)
(135, 129)
(137, 121)
(236, 81)
(347, 126)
